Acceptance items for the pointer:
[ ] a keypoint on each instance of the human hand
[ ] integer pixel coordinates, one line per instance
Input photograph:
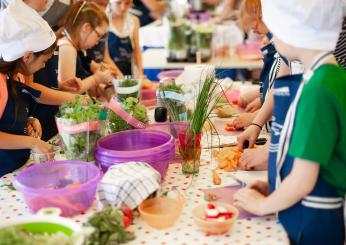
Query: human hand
(34, 128)
(243, 120)
(254, 159)
(246, 97)
(259, 185)
(250, 200)
(104, 77)
(74, 85)
(41, 146)
(250, 134)
(253, 105)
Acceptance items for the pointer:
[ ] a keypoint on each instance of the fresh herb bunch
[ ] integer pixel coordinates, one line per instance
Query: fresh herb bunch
(20, 236)
(81, 145)
(125, 84)
(176, 108)
(109, 228)
(134, 108)
(204, 36)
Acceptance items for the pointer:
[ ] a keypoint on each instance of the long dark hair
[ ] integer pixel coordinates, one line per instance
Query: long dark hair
(9, 68)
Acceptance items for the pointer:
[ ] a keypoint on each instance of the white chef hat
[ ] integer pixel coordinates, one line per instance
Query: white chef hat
(22, 29)
(310, 24)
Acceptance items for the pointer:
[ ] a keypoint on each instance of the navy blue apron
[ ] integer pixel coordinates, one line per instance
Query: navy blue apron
(121, 51)
(15, 123)
(270, 69)
(47, 76)
(318, 217)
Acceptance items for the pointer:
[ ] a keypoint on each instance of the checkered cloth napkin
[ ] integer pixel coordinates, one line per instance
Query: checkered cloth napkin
(127, 184)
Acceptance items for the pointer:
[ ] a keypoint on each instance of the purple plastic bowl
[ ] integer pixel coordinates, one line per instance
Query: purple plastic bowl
(69, 185)
(174, 128)
(169, 74)
(151, 146)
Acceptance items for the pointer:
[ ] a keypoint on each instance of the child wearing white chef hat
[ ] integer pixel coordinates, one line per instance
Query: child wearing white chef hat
(26, 43)
(307, 177)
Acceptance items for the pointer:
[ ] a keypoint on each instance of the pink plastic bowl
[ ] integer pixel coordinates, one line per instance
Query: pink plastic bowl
(251, 50)
(69, 185)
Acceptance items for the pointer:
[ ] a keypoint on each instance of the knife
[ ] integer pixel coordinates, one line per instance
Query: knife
(259, 141)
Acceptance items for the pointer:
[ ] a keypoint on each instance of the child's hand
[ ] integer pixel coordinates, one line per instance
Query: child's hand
(103, 77)
(250, 134)
(254, 159)
(74, 85)
(247, 97)
(260, 186)
(41, 146)
(33, 126)
(253, 105)
(243, 120)
(250, 200)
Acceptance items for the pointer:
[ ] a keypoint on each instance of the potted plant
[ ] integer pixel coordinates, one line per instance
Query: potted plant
(204, 37)
(171, 96)
(126, 88)
(190, 140)
(134, 108)
(79, 128)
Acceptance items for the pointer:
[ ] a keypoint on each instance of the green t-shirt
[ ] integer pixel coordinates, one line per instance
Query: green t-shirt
(320, 128)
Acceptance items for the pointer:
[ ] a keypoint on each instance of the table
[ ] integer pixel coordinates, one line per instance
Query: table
(156, 59)
(261, 230)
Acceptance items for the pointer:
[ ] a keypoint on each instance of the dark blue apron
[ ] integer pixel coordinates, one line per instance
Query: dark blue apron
(121, 51)
(318, 218)
(270, 69)
(13, 123)
(47, 76)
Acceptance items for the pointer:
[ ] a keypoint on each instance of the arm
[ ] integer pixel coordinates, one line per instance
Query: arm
(51, 96)
(295, 186)
(13, 142)
(137, 49)
(264, 114)
(67, 69)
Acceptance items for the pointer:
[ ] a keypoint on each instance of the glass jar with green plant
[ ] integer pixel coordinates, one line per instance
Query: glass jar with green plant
(134, 108)
(79, 127)
(204, 38)
(126, 88)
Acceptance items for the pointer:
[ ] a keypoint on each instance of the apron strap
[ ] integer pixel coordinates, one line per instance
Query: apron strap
(286, 133)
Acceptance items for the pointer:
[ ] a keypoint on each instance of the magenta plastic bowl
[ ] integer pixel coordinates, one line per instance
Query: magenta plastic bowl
(151, 146)
(169, 74)
(173, 128)
(69, 185)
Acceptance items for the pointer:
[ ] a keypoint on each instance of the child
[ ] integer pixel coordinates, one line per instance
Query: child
(251, 18)
(85, 24)
(26, 43)
(123, 41)
(307, 178)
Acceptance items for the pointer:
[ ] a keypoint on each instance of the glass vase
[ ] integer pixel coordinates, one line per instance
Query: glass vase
(190, 151)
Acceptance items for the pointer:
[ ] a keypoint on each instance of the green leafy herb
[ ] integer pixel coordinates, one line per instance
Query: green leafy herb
(80, 145)
(19, 236)
(109, 228)
(127, 83)
(134, 108)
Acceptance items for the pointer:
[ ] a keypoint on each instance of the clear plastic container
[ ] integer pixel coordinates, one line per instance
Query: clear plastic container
(68, 185)
(151, 146)
(47, 157)
(214, 226)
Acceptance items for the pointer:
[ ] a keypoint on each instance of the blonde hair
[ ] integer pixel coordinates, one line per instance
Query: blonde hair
(250, 11)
